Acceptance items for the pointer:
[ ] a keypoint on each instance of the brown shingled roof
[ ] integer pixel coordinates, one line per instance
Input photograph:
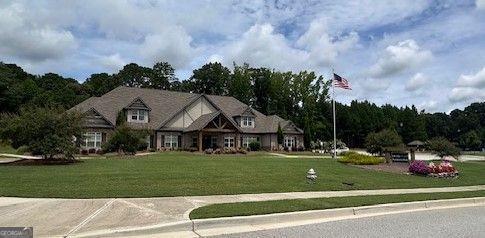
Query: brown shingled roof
(166, 104)
(202, 121)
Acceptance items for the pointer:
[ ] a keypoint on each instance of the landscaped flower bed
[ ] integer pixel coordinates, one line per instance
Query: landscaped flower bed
(442, 170)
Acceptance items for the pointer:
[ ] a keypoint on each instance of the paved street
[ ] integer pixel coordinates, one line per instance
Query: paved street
(454, 222)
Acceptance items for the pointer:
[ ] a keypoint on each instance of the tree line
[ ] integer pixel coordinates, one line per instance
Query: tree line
(302, 97)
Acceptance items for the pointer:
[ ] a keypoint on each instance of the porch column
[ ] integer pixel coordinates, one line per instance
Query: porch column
(237, 140)
(199, 141)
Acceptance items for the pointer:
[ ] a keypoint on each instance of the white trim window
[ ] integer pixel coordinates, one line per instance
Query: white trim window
(138, 115)
(289, 142)
(229, 142)
(247, 121)
(92, 140)
(171, 141)
(247, 140)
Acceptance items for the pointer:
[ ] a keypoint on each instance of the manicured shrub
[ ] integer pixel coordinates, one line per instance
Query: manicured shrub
(92, 151)
(254, 146)
(125, 140)
(230, 151)
(84, 152)
(193, 149)
(348, 153)
(359, 159)
(279, 134)
(419, 167)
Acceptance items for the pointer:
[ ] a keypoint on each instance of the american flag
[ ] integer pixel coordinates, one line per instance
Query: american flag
(340, 82)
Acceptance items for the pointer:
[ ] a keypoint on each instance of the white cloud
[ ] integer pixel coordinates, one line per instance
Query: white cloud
(215, 59)
(475, 80)
(262, 46)
(429, 105)
(469, 87)
(323, 48)
(480, 4)
(22, 39)
(398, 58)
(172, 45)
(113, 62)
(373, 85)
(416, 82)
(460, 94)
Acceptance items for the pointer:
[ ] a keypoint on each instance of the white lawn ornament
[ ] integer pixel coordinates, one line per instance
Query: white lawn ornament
(311, 175)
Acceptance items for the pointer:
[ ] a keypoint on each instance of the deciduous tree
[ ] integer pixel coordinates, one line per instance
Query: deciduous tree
(43, 131)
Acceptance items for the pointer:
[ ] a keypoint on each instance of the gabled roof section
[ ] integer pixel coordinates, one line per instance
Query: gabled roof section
(95, 119)
(233, 108)
(163, 104)
(290, 127)
(248, 111)
(202, 121)
(168, 119)
(138, 103)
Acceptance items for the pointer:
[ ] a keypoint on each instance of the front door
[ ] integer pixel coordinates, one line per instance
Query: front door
(209, 141)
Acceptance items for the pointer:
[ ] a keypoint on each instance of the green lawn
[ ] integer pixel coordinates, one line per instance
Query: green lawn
(278, 206)
(178, 174)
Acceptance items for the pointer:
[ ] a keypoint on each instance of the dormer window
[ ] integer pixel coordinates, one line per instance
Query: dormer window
(137, 111)
(247, 121)
(138, 116)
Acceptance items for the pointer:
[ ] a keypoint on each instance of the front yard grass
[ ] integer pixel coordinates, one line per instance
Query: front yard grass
(184, 174)
(279, 206)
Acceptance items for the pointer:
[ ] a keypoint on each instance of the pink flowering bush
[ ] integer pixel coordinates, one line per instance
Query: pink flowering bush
(443, 169)
(419, 167)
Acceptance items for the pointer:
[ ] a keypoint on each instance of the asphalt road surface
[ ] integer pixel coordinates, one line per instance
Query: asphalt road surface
(455, 222)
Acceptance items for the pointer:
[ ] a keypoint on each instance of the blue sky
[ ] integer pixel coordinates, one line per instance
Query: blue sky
(427, 53)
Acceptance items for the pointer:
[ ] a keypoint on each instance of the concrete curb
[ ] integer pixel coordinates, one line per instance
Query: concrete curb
(166, 228)
(201, 224)
(227, 225)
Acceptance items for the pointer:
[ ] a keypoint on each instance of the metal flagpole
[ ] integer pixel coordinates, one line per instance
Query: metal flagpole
(334, 120)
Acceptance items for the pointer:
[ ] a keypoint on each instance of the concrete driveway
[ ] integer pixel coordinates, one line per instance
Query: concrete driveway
(81, 217)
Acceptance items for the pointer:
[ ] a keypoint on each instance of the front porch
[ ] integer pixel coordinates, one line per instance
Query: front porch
(218, 133)
(210, 131)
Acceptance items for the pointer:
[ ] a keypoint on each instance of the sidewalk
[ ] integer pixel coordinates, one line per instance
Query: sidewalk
(67, 217)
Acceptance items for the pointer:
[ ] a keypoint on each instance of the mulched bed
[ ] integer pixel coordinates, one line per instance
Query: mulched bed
(29, 162)
(396, 167)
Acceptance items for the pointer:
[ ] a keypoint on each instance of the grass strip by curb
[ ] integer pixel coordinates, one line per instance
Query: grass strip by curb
(279, 206)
